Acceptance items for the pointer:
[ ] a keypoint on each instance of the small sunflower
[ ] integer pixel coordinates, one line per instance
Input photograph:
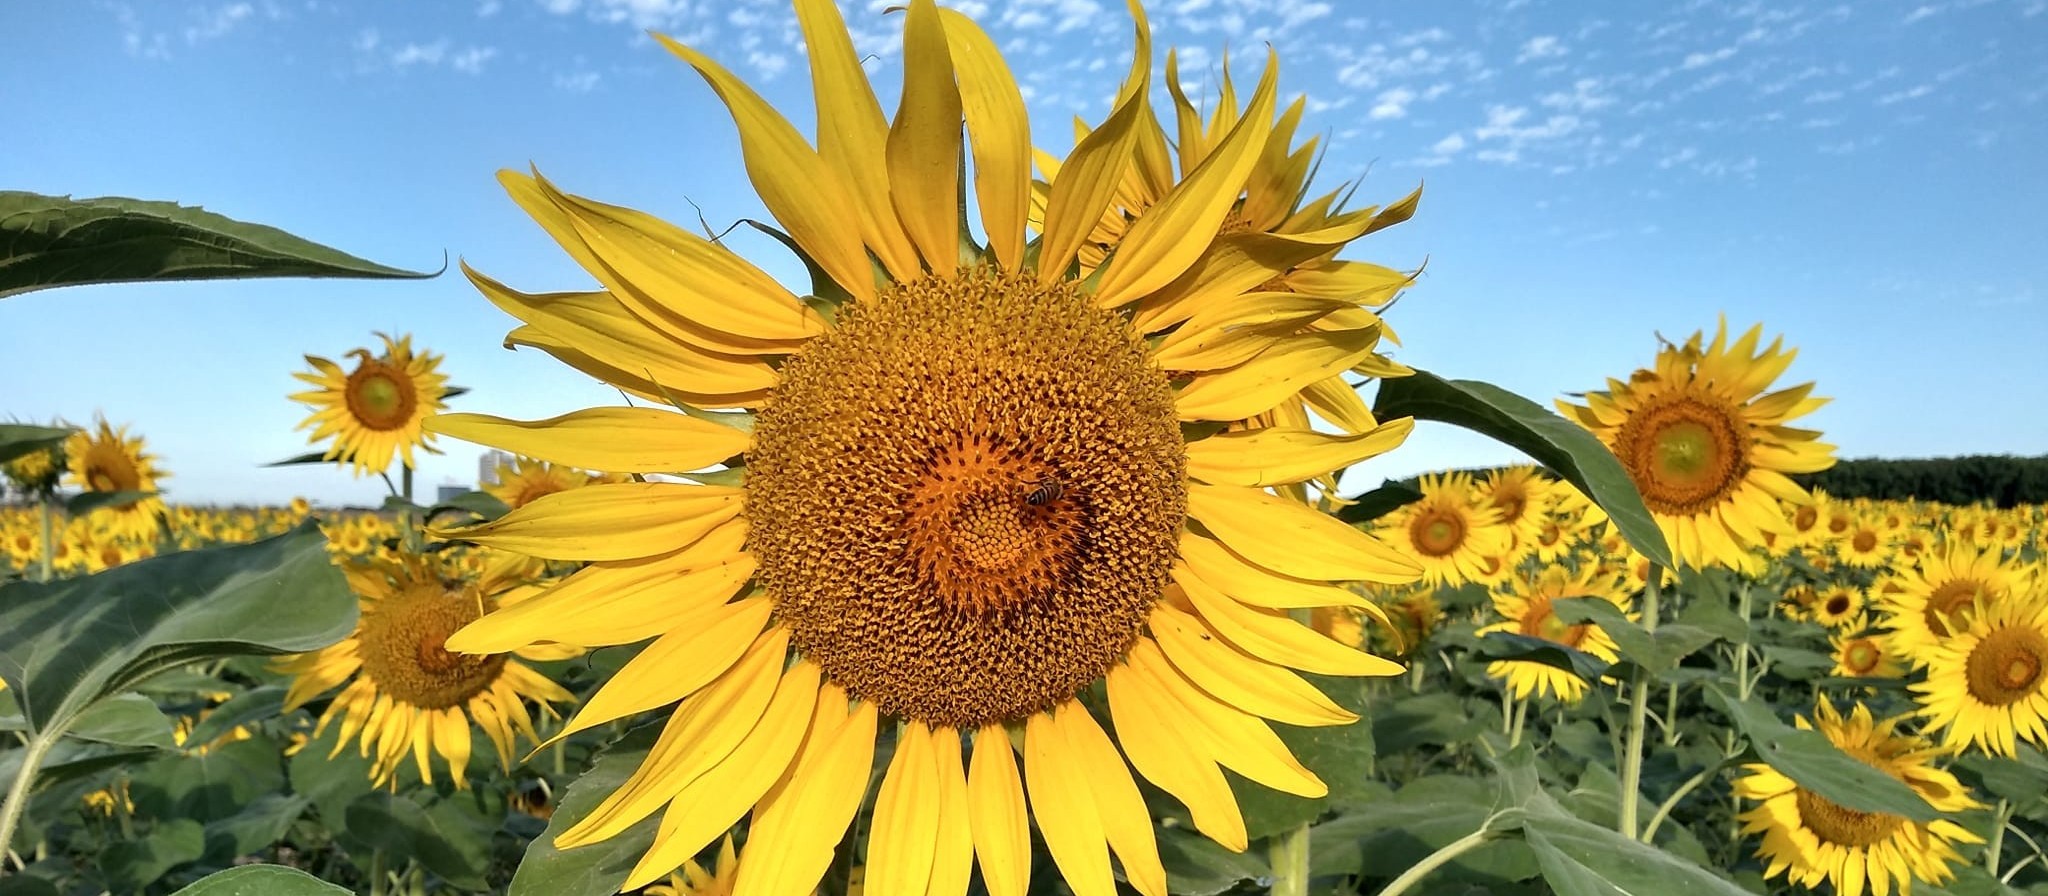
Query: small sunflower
(1987, 686)
(36, 472)
(1809, 838)
(1455, 536)
(1867, 655)
(111, 460)
(1708, 449)
(524, 479)
(1867, 545)
(375, 410)
(1837, 605)
(408, 694)
(968, 494)
(1525, 604)
(1523, 495)
(1934, 597)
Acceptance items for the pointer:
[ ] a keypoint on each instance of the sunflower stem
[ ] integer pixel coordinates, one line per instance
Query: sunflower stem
(1671, 715)
(1289, 856)
(378, 885)
(1438, 859)
(17, 792)
(1997, 844)
(1664, 811)
(1638, 711)
(49, 543)
(1521, 716)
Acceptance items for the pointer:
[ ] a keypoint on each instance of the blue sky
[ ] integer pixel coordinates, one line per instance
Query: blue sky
(1864, 178)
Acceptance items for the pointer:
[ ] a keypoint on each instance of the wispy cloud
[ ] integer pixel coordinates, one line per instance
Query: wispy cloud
(577, 82)
(373, 53)
(1542, 47)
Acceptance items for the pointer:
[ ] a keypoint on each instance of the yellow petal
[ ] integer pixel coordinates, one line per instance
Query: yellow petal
(1125, 821)
(998, 131)
(1151, 733)
(906, 823)
(1091, 173)
(611, 440)
(803, 193)
(1264, 689)
(1335, 400)
(1232, 265)
(853, 135)
(1238, 741)
(1158, 247)
(1227, 335)
(700, 649)
(1256, 585)
(795, 836)
(953, 861)
(606, 521)
(1285, 455)
(618, 601)
(641, 380)
(1278, 373)
(1277, 638)
(699, 735)
(708, 805)
(997, 816)
(1294, 540)
(924, 143)
(1358, 282)
(1064, 808)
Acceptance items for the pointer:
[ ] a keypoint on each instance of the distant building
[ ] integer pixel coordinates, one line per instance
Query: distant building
(446, 493)
(487, 467)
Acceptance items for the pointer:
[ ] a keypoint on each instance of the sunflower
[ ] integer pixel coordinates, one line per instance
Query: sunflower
(1867, 655)
(36, 472)
(1935, 595)
(1837, 605)
(1523, 496)
(1809, 838)
(1987, 686)
(523, 479)
(406, 692)
(1706, 447)
(693, 880)
(375, 410)
(1525, 605)
(964, 491)
(1451, 533)
(111, 460)
(1867, 545)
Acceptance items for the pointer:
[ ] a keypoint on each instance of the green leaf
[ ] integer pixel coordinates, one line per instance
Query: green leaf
(1427, 814)
(261, 823)
(1659, 651)
(1341, 755)
(310, 457)
(1511, 647)
(48, 241)
(332, 780)
(261, 880)
(481, 504)
(211, 785)
(1816, 764)
(2021, 779)
(442, 842)
(1379, 502)
(86, 502)
(246, 708)
(1559, 444)
(1412, 720)
(130, 865)
(1584, 859)
(24, 885)
(1196, 866)
(69, 760)
(125, 720)
(17, 439)
(596, 869)
(67, 644)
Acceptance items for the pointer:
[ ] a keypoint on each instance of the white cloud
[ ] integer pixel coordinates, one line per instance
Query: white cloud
(1698, 60)
(1918, 13)
(216, 22)
(577, 82)
(1392, 104)
(1679, 158)
(488, 8)
(1823, 96)
(471, 61)
(1449, 145)
(1585, 96)
(420, 54)
(1545, 46)
(1899, 96)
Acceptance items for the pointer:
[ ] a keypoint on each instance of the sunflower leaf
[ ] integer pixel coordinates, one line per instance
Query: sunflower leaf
(260, 880)
(596, 869)
(49, 241)
(86, 502)
(17, 439)
(1564, 447)
(1508, 647)
(1817, 765)
(310, 457)
(1657, 652)
(1379, 502)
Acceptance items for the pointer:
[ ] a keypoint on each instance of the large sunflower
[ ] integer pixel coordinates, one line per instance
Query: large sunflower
(1706, 447)
(968, 493)
(1809, 838)
(1454, 535)
(1525, 605)
(111, 460)
(409, 694)
(375, 410)
(1987, 686)
(1936, 595)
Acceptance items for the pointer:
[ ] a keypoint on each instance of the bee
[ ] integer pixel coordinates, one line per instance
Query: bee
(1048, 490)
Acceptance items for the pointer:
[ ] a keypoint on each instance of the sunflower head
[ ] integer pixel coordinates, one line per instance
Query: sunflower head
(1453, 532)
(107, 459)
(373, 410)
(1527, 607)
(1706, 446)
(1987, 687)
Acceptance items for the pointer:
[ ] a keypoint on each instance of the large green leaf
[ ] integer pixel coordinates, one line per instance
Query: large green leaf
(125, 720)
(1659, 651)
(48, 241)
(1379, 502)
(1339, 754)
(17, 439)
(598, 868)
(1511, 647)
(1196, 866)
(1557, 443)
(261, 880)
(209, 785)
(445, 843)
(67, 644)
(261, 823)
(1817, 765)
(130, 865)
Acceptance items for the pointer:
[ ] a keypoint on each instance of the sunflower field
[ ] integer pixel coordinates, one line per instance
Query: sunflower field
(1008, 555)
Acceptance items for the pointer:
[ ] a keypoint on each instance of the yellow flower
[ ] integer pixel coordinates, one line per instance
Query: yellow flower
(1523, 496)
(524, 479)
(111, 460)
(1867, 545)
(375, 410)
(407, 693)
(1451, 533)
(1525, 604)
(968, 494)
(1935, 596)
(1866, 655)
(1706, 447)
(1987, 685)
(1837, 605)
(1809, 839)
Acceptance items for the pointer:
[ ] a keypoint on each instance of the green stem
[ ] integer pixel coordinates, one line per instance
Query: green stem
(1289, 855)
(1997, 844)
(1664, 811)
(378, 884)
(49, 540)
(1671, 715)
(1521, 716)
(1638, 710)
(1438, 859)
(17, 792)
(1742, 682)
